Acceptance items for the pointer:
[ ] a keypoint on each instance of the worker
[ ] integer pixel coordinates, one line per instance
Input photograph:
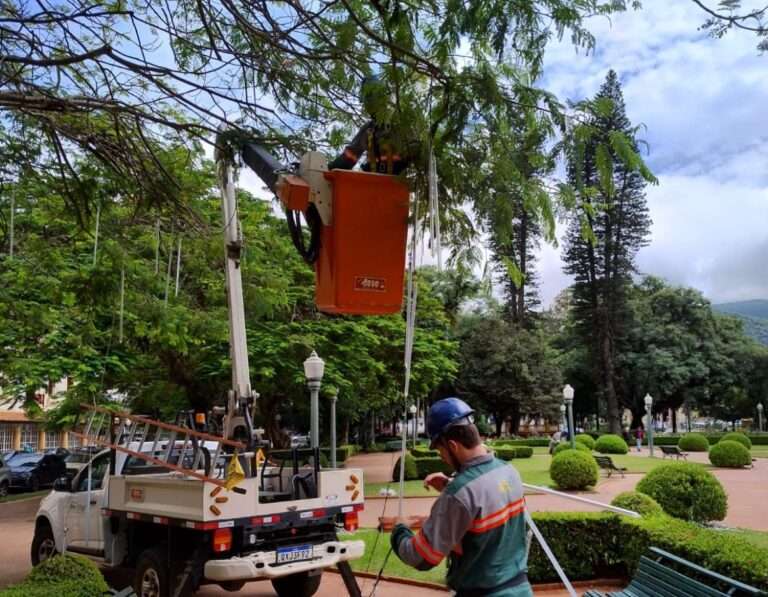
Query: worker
(384, 146)
(477, 521)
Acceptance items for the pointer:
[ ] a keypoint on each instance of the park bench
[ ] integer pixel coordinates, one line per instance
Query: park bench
(606, 463)
(663, 574)
(673, 451)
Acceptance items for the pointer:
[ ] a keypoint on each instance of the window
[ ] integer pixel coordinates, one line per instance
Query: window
(74, 441)
(100, 467)
(29, 436)
(52, 439)
(6, 437)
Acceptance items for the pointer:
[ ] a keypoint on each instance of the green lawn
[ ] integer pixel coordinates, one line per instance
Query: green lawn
(13, 497)
(372, 561)
(533, 470)
(760, 451)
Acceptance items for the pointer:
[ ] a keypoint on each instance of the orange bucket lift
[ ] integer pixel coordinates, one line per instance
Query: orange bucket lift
(360, 265)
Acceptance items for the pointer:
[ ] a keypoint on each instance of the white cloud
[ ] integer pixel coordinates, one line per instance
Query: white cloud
(702, 101)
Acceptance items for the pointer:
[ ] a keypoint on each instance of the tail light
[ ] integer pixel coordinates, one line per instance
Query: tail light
(350, 521)
(222, 540)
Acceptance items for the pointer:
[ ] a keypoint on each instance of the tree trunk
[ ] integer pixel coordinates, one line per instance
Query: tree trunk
(499, 421)
(674, 420)
(607, 366)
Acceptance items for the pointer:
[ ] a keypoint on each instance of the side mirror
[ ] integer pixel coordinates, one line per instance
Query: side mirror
(63, 484)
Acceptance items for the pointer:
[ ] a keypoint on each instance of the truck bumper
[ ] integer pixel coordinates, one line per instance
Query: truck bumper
(263, 564)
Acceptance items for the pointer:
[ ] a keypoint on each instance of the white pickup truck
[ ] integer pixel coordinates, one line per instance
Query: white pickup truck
(177, 533)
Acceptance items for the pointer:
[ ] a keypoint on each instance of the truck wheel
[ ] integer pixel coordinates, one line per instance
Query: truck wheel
(152, 578)
(297, 585)
(43, 544)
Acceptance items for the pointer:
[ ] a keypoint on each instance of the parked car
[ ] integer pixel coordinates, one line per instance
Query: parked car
(77, 458)
(33, 471)
(5, 478)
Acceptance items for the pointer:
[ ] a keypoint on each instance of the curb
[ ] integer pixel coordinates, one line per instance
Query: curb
(553, 586)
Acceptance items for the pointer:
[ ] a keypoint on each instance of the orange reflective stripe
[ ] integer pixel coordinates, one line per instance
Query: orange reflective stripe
(425, 550)
(498, 518)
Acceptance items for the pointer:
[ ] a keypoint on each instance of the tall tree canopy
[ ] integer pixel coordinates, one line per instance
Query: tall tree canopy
(611, 224)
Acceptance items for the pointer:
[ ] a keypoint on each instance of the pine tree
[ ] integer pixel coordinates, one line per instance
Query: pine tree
(603, 240)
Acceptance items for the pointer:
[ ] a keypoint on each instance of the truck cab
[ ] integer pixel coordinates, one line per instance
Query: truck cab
(173, 530)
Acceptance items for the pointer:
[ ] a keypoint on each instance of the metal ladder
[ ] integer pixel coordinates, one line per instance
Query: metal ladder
(162, 444)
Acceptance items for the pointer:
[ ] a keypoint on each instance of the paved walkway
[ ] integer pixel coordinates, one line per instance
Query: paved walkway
(747, 491)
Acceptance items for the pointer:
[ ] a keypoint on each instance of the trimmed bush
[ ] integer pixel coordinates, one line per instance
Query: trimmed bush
(373, 448)
(427, 466)
(394, 445)
(562, 446)
(342, 452)
(730, 454)
(611, 546)
(65, 575)
(511, 452)
(533, 442)
(586, 439)
(419, 452)
(573, 469)
(686, 491)
(693, 442)
(638, 502)
(611, 444)
(737, 437)
(411, 472)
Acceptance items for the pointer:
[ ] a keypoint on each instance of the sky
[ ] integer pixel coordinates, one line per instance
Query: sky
(703, 102)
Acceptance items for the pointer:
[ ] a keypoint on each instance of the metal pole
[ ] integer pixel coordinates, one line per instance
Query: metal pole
(314, 413)
(550, 555)
(584, 500)
(122, 302)
(650, 432)
(571, 427)
(157, 246)
(96, 234)
(178, 267)
(13, 211)
(402, 465)
(334, 398)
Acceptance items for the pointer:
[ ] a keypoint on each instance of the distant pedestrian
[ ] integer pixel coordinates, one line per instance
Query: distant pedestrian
(626, 435)
(639, 435)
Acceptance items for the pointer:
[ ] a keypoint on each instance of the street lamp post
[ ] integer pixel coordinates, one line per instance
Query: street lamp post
(568, 399)
(314, 367)
(649, 409)
(760, 417)
(334, 398)
(413, 410)
(563, 419)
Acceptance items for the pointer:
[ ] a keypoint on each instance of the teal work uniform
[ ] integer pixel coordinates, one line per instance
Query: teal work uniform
(478, 523)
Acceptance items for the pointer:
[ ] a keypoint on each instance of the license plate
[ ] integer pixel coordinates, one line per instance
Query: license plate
(295, 553)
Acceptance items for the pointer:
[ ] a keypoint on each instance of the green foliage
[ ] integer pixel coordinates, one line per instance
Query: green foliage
(534, 442)
(342, 452)
(427, 466)
(737, 437)
(65, 575)
(729, 454)
(411, 471)
(586, 439)
(686, 491)
(512, 452)
(693, 442)
(562, 446)
(424, 453)
(573, 469)
(589, 544)
(638, 502)
(611, 444)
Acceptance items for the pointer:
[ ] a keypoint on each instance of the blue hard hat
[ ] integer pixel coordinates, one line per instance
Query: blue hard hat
(447, 413)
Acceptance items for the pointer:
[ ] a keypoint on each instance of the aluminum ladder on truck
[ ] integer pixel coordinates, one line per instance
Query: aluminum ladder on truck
(172, 447)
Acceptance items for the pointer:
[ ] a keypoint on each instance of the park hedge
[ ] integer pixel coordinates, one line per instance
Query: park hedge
(673, 439)
(65, 575)
(342, 452)
(512, 452)
(533, 442)
(598, 545)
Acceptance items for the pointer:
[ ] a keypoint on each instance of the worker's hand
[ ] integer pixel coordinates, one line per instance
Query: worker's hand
(436, 481)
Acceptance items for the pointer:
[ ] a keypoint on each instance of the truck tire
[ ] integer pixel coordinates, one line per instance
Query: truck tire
(43, 544)
(152, 578)
(297, 585)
